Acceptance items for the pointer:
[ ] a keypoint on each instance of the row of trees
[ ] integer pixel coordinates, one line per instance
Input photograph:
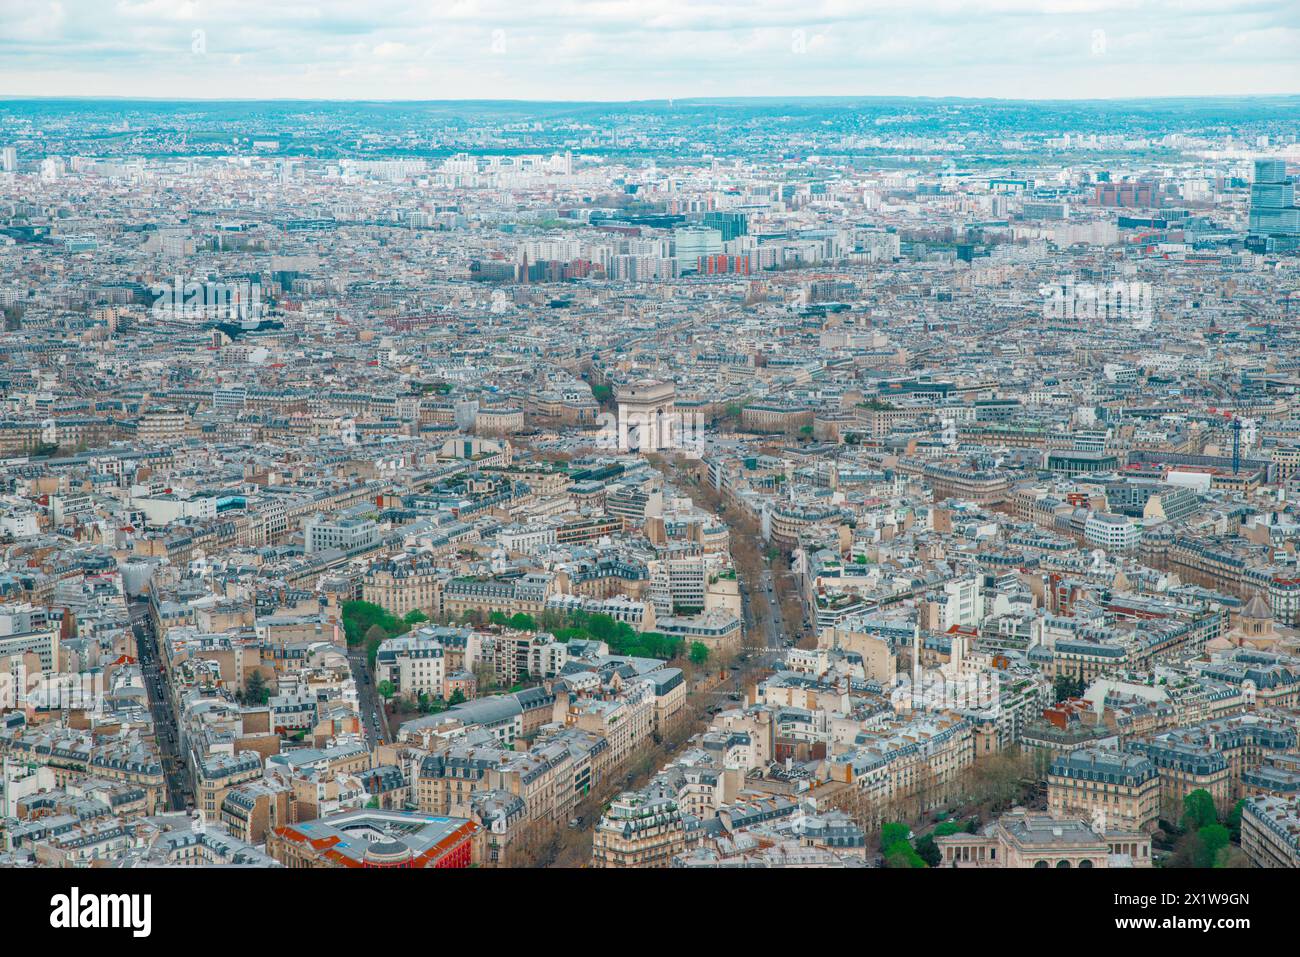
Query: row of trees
(750, 554)
(899, 850)
(369, 624)
(423, 702)
(621, 637)
(992, 784)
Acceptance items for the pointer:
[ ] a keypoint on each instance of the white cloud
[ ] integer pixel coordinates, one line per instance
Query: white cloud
(26, 22)
(627, 49)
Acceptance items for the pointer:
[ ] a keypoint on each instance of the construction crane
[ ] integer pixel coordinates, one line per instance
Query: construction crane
(1236, 445)
(1235, 426)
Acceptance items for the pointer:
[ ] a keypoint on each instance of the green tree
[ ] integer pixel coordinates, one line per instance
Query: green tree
(1188, 850)
(660, 646)
(1234, 821)
(896, 848)
(891, 833)
(414, 617)
(902, 855)
(457, 697)
(386, 690)
(522, 622)
(1232, 857)
(1067, 687)
(373, 638)
(1214, 840)
(602, 627)
(255, 689)
(699, 652)
(1199, 810)
(361, 617)
(929, 851)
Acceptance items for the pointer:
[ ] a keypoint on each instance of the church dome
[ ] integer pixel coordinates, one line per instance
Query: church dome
(1257, 608)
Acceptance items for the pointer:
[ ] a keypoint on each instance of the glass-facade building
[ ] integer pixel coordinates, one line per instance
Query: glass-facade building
(1274, 216)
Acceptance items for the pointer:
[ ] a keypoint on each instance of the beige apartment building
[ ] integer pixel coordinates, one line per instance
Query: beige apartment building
(1121, 789)
(217, 774)
(1213, 756)
(624, 722)
(251, 811)
(403, 584)
(161, 425)
(759, 417)
(966, 484)
(1270, 832)
(638, 832)
(907, 768)
(498, 421)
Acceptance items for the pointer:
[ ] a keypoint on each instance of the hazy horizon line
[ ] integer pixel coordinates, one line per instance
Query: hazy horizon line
(21, 97)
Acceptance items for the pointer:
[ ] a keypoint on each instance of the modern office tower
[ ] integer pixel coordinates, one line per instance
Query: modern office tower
(692, 243)
(1274, 216)
(1045, 209)
(8, 159)
(1125, 194)
(1270, 170)
(730, 224)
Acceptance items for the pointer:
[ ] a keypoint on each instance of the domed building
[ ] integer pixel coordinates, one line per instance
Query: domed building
(1253, 627)
(387, 853)
(377, 838)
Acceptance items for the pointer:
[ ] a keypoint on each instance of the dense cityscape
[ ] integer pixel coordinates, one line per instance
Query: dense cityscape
(830, 483)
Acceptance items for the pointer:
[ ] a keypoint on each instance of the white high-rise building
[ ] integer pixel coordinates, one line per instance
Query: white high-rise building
(963, 603)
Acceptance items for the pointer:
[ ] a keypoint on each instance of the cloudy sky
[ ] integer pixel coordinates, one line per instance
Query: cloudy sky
(647, 49)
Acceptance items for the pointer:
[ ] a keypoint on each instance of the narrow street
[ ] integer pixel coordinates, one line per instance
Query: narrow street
(764, 626)
(179, 795)
(765, 639)
(374, 719)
